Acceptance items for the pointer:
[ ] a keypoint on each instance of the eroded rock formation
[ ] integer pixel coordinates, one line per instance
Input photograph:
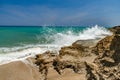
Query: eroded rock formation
(108, 60)
(71, 58)
(81, 59)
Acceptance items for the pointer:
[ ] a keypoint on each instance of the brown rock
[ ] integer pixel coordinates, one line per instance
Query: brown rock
(115, 29)
(80, 48)
(109, 47)
(45, 61)
(108, 59)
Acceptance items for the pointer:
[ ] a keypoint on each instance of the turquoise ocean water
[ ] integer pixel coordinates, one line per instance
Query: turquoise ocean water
(11, 36)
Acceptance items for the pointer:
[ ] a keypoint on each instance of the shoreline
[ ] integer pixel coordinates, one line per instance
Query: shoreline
(21, 55)
(82, 60)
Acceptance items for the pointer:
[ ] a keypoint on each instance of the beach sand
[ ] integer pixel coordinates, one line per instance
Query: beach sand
(18, 70)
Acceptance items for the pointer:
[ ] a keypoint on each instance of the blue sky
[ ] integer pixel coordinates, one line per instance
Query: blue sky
(60, 12)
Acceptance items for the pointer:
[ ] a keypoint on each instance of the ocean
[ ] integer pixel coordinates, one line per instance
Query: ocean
(24, 35)
(19, 42)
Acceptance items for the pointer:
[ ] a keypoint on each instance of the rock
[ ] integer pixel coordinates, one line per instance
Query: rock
(115, 29)
(45, 61)
(60, 65)
(103, 46)
(90, 75)
(71, 58)
(88, 43)
(80, 48)
(109, 47)
(108, 51)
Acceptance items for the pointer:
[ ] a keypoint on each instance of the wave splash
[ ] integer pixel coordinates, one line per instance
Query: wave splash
(58, 40)
(69, 37)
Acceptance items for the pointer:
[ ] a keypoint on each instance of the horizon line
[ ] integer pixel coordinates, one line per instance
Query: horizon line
(54, 25)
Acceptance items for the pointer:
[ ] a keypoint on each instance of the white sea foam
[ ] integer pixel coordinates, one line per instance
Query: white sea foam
(60, 39)
(19, 53)
(89, 33)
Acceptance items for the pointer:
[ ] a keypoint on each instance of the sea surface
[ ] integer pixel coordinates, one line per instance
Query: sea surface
(24, 35)
(18, 42)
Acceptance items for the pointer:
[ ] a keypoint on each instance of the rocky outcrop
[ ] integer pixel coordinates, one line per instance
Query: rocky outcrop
(108, 60)
(58, 64)
(115, 29)
(80, 48)
(108, 49)
(71, 58)
(45, 61)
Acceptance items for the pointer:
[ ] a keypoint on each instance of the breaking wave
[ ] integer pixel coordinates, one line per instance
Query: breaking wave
(57, 40)
(69, 36)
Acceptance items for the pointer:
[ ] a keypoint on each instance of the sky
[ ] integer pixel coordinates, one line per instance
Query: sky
(60, 12)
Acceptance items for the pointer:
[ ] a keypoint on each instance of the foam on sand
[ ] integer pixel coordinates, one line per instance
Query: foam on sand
(24, 53)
